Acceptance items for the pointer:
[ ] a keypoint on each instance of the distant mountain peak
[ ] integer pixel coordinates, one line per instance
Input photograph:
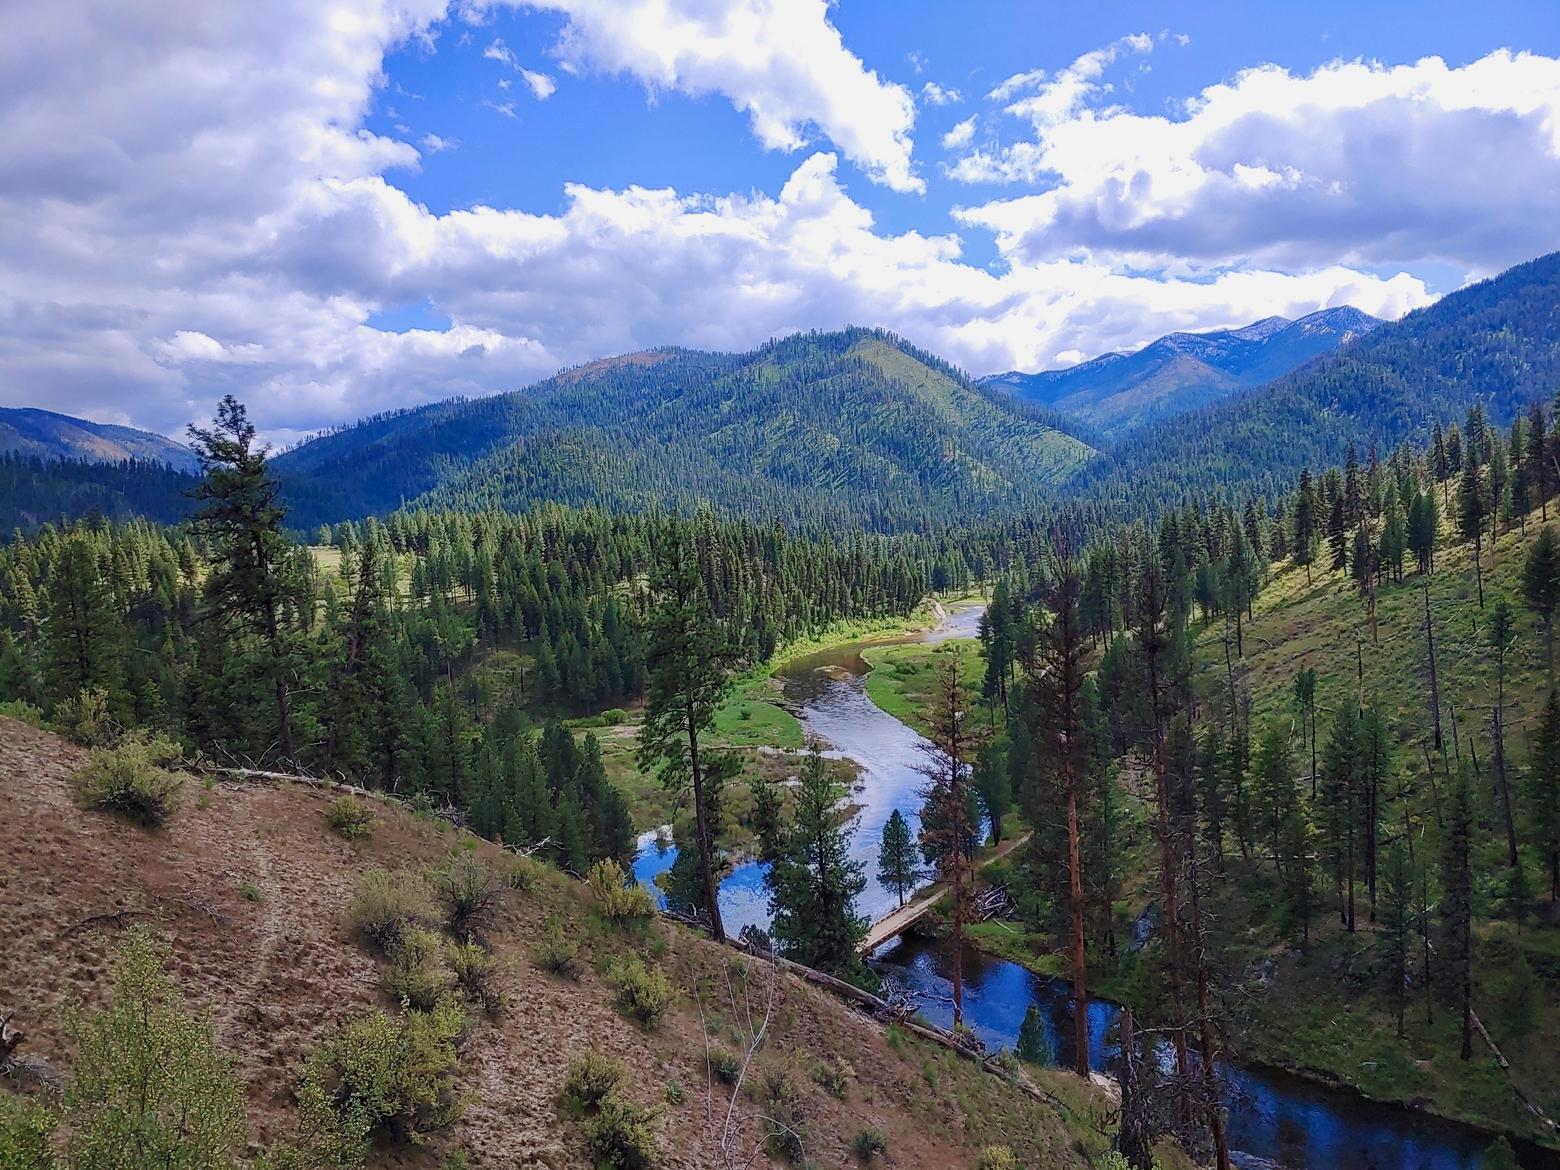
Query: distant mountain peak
(1182, 371)
(33, 431)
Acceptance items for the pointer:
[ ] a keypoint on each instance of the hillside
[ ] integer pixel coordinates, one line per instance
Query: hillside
(27, 431)
(852, 427)
(1497, 342)
(250, 886)
(1117, 392)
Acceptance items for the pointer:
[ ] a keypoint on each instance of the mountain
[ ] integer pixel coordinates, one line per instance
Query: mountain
(1496, 342)
(28, 431)
(855, 428)
(1117, 392)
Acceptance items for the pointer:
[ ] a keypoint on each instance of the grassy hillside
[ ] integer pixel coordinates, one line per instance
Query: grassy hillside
(48, 435)
(251, 887)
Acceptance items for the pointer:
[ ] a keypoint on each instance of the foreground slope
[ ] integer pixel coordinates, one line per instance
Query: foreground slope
(850, 427)
(1116, 392)
(27, 431)
(251, 887)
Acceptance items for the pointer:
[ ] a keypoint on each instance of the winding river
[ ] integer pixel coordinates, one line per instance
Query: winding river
(1276, 1120)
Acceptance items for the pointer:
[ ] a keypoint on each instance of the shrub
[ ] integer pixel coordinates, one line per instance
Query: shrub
(591, 1079)
(378, 1074)
(1008, 1065)
(466, 891)
(868, 1144)
(674, 1093)
(727, 1066)
(131, 779)
(416, 977)
(622, 1134)
(525, 874)
(644, 992)
(350, 818)
(476, 973)
(387, 905)
(996, 1158)
(148, 1074)
(557, 952)
(782, 1108)
(26, 1135)
(84, 718)
(834, 1076)
(617, 899)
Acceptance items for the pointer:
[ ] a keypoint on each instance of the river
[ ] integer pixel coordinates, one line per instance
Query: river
(1276, 1120)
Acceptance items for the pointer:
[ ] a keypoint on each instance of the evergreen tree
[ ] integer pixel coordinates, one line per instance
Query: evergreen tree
(1397, 922)
(1544, 793)
(815, 881)
(1338, 535)
(768, 822)
(1423, 526)
(688, 659)
(1501, 632)
(1457, 906)
(241, 519)
(899, 865)
(1472, 508)
(994, 786)
(1034, 1039)
(1541, 590)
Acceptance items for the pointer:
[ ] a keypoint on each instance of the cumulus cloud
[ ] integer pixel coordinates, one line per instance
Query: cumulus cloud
(1356, 162)
(779, 61)
(193, 207)
(959, 137)
(939, 95)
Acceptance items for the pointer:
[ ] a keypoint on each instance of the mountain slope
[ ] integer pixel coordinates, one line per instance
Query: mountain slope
(850, 427)
(251, 887)
(1497, 342)
(1182, 371)
(29, 431)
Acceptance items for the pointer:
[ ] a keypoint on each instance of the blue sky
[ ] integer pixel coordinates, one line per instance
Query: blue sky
(332, 209)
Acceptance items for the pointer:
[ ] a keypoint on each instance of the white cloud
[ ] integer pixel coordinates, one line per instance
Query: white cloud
(541, 85)
(434, 144)
(938, 95)
(192, 206)
(779, 61)
(959, 137)
(1029, 79)
(1356, 162)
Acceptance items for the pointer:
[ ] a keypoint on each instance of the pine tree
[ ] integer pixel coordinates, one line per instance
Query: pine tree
(993, 783)
(1338, 535)
(899, 866)
(1472, 508)
(79, 633)
(815, 881)
(241, 518)
(1424, 522)
(688, 658)
(1501, 633)
(1397, 921)
(1540, 475)
(1306, 524)
(1544, 793)
(1541, 590)
(1457, 906)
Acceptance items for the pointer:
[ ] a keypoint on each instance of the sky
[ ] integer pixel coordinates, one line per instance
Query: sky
(332, 208)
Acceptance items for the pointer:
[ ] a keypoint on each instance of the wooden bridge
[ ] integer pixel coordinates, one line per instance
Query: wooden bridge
(896, 922)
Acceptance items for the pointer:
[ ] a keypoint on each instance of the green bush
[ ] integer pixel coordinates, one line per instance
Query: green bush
(383, 1076)
(618, 900)
(416, 976)
(84, 718)
(26, 1135)
(868, 1144)
(622, 1134)
(557, 952)
(644, 992)
(591, 1079)
(131, 779)
(466, 891)
(996, 1158)
(781, 1106)
(525, 874)
(834, 1076)
(148, 1075)
(387, 905)
(350, 818)
(727, 1066)
(476, 974)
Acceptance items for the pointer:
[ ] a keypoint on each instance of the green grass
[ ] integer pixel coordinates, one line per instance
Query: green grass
(903, 680)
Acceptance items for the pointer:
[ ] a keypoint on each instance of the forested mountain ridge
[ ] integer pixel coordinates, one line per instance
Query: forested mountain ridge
(853, 427)
(43, 433)
(1117, 392)
(1497, 342)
